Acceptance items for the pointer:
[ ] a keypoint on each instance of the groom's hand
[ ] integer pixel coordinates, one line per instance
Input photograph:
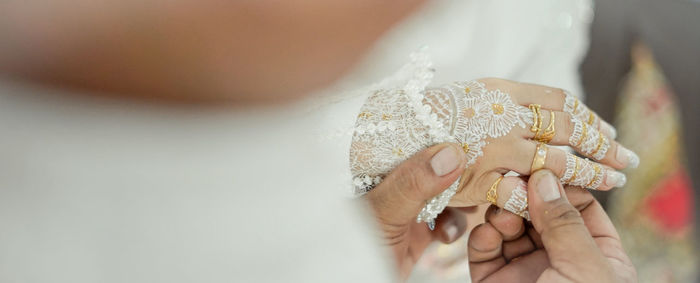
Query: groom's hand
(572, 240)
(399, 198)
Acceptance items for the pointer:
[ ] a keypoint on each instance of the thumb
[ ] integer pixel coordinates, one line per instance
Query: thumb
(563, 232)
(402, 194)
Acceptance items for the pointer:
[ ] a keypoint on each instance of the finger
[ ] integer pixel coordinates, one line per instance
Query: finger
(509, 193)
(402, 194)
(450, 226)
(508, 224)
(585, 139)
(484, 251)
(517, 247)
(593, 214)
(556, 99)
(577, 197)
(561, 227)
(535, 237)
(570, 169)
(526, 268)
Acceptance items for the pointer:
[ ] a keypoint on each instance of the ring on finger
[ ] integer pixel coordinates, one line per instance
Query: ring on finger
(540, 157)
(549, 132)
(492, 193)
(537, 119)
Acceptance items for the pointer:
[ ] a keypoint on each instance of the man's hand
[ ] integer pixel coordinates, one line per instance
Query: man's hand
(570, 241)
(403, 193)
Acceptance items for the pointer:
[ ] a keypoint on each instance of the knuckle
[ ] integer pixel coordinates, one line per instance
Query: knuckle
(567, 123)
(558, 162)
(562, 214)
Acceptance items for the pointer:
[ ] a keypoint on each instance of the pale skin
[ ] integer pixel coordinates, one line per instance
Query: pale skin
(243, 53)
(515, 151)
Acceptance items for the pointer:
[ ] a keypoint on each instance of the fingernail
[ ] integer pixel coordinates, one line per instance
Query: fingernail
(445, 161)
(615, 179)
(627, 157)
(608, 130)
(451, 232)
(547, 187)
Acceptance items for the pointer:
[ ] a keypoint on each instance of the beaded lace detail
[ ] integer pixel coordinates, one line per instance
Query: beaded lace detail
(582, 173)
(588, 140)
(517, 202)
(394, 124)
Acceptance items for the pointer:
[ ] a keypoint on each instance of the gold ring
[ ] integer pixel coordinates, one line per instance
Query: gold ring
(537, 119)
(574, 175)
(601, 139)
(492, 194)
(549, 132)
(597, 169)
(540, 157)
(591, 117)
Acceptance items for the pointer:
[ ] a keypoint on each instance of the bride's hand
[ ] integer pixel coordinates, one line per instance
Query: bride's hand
(500, 125)
(574, 125)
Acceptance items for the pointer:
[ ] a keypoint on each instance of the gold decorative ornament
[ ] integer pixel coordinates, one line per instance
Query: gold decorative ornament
(583, 135)
(492, 194)
(573, 176)
(549, 132)
(597, 169)
(601, 140)
(540, 157)
(537, 118)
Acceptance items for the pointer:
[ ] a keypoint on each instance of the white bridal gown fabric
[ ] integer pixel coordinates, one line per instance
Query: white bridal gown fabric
(96, 190)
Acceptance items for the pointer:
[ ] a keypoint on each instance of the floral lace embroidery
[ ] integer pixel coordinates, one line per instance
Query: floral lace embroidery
(394, 124)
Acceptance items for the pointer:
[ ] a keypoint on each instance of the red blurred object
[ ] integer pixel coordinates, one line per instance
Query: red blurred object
(671, 203)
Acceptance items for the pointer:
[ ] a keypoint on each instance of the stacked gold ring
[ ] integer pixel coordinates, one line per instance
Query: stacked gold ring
(537, 119)
(540, 157)
(536, 128)
(492, 193)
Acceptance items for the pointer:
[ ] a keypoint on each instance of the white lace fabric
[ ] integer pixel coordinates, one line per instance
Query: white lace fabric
(394, 124)
(517, 202)
(397, 122)
(586, 137)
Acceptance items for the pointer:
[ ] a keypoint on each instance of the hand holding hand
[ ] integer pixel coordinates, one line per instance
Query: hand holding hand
(572, 240)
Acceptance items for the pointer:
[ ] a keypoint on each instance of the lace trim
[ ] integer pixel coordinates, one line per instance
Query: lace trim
(394, 124)
(582, 173)
(517, 202)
